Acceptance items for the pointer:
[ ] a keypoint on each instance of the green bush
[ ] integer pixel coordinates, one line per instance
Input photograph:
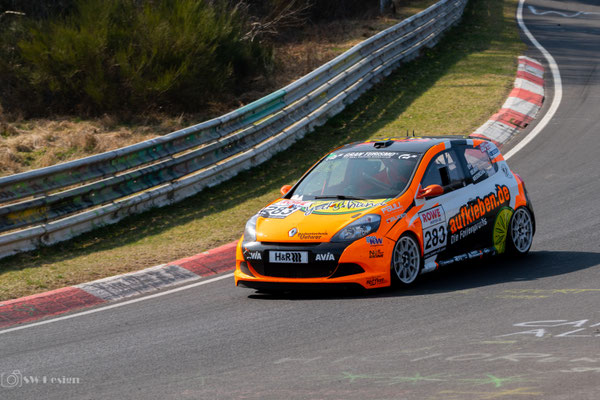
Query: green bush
(114, 55)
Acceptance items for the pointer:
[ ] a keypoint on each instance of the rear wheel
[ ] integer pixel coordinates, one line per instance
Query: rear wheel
(520, 232)
(406, 260)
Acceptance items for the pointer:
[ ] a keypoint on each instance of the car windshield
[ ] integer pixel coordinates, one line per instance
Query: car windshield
(358, 175)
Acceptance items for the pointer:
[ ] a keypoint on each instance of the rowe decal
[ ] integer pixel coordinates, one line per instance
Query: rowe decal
(479, 207)
(374, 241)
(432, 217)
(324, 257)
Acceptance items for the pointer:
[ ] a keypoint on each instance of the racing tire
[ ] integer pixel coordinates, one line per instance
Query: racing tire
(406, 261)
(520, 232)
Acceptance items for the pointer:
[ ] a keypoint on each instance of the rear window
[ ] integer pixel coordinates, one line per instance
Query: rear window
(479, 164)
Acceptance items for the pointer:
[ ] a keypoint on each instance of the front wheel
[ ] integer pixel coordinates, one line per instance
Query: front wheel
(520, 232)
(406, 260)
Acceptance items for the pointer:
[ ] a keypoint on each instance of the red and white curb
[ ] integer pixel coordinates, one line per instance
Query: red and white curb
(521, 107)
(85, 295)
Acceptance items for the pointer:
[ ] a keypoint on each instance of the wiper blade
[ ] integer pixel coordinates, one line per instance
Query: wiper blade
(339, 197)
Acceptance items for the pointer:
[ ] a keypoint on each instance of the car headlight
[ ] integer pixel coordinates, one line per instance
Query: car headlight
(250, 230)
(358, 229)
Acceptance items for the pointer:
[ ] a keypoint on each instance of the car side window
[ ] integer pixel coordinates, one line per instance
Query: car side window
(446, 171)
(479, 164)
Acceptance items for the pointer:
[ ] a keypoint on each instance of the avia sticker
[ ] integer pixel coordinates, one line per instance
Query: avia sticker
(374, 241)
(432, 217)
(253, 255)
(324, 257)
(479, 207)
(375, 253)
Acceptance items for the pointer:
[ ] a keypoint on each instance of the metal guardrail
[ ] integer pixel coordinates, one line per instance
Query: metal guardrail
(51, 204)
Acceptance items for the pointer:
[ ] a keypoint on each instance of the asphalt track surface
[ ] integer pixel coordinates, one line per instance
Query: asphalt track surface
(467, 332)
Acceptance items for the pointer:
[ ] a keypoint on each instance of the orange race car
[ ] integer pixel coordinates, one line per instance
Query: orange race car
(378, 212)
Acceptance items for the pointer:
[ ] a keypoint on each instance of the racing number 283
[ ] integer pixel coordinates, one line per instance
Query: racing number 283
(435, 237)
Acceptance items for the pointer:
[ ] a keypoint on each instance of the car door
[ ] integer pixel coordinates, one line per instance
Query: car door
(439, 238)
(488, 208)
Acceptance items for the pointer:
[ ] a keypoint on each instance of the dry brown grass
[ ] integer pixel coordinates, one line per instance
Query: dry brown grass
(41, 142)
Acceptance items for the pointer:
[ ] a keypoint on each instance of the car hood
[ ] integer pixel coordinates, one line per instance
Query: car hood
(309, 221)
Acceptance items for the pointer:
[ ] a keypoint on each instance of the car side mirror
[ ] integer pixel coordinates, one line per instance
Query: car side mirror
(430, 191)
(284, 189)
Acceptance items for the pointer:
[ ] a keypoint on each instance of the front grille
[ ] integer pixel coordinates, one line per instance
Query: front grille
(322, 259)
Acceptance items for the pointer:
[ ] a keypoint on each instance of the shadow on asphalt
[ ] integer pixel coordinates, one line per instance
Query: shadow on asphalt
(468, 275)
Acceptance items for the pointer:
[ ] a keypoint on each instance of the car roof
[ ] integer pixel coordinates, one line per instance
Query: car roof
(411, 144)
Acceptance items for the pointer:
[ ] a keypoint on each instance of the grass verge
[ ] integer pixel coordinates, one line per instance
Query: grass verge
(451, 89)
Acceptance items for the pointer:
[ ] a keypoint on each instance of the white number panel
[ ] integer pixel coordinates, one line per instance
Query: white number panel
(435, 235)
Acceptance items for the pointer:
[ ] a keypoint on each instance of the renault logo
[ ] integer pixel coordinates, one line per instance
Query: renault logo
(292, 232)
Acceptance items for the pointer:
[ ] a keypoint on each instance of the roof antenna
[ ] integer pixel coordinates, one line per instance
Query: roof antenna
(413, 133)
(407, 133)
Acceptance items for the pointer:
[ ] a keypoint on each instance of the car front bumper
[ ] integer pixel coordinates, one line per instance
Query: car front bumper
(312, 265)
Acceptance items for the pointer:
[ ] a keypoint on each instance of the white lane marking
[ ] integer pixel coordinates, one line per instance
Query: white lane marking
(577, 14)
(558, 92)
(116, 305)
